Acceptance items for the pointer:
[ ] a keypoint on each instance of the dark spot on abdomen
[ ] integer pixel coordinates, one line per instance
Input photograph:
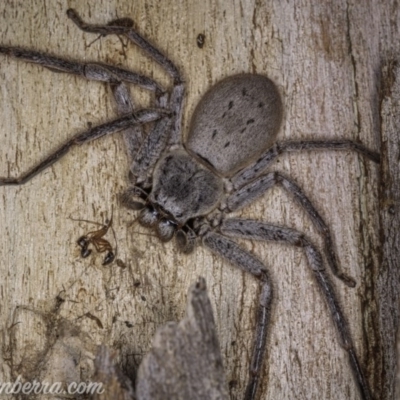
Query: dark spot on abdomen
(230, 105)
(214, 133)
(208, 162)
(227, 144)
(250, 121)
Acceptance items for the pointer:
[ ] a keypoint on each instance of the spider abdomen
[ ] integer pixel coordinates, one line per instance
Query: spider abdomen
(235, 122)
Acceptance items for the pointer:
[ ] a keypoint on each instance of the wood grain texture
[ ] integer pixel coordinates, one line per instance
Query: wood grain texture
(185, 361)
(326, 60)
(389, 277)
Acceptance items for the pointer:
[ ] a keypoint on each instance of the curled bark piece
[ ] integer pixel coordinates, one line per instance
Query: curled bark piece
(185, 362)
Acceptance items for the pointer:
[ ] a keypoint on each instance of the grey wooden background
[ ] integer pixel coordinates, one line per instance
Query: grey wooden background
(330, 60)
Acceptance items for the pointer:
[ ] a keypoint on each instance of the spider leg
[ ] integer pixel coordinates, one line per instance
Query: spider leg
(229, 250)
(91, 71)
(125, 27)
(115, 76)
(151, 150)
(143, 152)
(259, 186)
(250, 229)
(139, 117)
(134, 135)
(256, 169)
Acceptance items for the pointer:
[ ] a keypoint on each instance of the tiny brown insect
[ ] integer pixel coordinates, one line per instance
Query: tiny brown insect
(96, 238)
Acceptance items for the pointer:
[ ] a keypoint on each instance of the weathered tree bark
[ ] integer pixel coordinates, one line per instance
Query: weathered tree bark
(335, 65)
(185, 361)
(389, 275)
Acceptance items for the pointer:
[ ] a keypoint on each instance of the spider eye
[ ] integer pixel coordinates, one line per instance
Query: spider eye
(148, 217)
(132, 201)
(165, 230)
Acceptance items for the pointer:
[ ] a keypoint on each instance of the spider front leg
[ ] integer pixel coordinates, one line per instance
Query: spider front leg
(125, 27)
(249, 229)
(134, 135)
(91, 71)
(105, 73)
(139, 117)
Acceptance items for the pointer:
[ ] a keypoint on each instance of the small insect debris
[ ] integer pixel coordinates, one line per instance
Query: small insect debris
(201, 38)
